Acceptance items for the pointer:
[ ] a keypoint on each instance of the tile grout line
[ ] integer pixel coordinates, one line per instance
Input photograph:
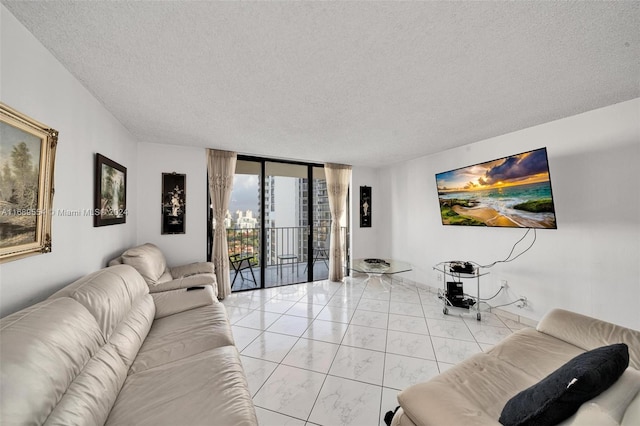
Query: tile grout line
(384, 360)
(279, 363)
(433, 347)
(330, 294)
(325, 374)
(331, 365)
(306, 420)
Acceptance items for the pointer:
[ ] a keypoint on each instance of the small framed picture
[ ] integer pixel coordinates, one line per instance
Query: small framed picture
(174, 202)
(365, 207)
(110, 192)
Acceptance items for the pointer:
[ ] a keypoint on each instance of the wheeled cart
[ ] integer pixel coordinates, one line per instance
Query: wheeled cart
(452, 269)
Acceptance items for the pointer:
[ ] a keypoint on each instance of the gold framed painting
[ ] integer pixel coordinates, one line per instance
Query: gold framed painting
(27, 157)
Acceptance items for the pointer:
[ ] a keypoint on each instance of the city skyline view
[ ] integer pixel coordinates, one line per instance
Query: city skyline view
(245, 194)
(290, 202)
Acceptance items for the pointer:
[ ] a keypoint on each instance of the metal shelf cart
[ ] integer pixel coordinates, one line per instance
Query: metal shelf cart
(445, 268)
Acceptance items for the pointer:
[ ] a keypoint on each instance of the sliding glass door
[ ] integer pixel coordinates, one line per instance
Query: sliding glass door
(278, 224)
(321, 225)
(286, 223)
(243, 226)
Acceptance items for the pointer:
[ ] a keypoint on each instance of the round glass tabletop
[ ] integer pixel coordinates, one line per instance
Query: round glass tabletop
(380, 266)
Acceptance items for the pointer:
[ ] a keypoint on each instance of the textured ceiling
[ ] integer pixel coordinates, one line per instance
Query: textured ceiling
(362, 83)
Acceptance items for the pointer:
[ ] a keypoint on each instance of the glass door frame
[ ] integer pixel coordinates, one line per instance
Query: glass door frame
(310, 230)
(263, 216)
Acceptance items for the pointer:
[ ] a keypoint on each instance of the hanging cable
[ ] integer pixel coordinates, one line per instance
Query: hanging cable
(509, 258)
(484, 300)
(506, 304)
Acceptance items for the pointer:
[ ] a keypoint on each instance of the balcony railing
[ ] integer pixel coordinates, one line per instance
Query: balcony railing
(282, 241)
(286, 255)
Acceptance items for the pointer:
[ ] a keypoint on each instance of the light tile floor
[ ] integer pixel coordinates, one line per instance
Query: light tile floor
(332, 354)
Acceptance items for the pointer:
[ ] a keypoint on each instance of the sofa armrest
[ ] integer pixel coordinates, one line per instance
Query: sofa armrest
(401, 419)
(191, 281)
(590, 333)
(611, 406)
(180, 300)
(116, 261)
(192, 269)
(632, 415)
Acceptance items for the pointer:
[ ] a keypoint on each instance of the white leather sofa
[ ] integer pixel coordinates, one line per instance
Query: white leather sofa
(150, 262)
(103, 350)
(475, 391)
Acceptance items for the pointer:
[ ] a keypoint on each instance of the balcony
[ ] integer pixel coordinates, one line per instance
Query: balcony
(286, 256)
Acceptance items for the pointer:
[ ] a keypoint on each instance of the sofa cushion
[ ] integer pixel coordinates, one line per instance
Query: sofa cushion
(205, 389)
(572, 328)
(108, 294)
(119, 300)
(537, 354)
(89, 398)
(176, 301)
(184, 334)
(560, 394)
(44, 349)
(149, 261)
(472, 393)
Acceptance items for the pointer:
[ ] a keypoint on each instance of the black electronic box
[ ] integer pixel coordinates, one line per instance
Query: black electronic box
(455, 295)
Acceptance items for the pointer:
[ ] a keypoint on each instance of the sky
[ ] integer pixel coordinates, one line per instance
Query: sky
(520, 169)
(245, 194)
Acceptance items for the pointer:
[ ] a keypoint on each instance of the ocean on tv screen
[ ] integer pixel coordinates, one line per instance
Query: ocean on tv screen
(514, 191)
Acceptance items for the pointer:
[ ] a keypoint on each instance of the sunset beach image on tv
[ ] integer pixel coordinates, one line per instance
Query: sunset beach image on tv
(513, 192)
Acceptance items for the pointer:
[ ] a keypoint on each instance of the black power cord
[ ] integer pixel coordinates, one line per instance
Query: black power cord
(490, 298)
(509, 258)
(506, 260)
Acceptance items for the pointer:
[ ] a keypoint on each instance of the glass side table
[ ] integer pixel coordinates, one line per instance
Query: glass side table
(378, 268)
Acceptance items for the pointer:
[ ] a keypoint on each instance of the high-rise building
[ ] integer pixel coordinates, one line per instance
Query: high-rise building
(287, 224)
(246, 221)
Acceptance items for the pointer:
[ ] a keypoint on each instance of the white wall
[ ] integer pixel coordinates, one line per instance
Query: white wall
(364, 241)
(36, 84)
(156, 159)
(590, 264)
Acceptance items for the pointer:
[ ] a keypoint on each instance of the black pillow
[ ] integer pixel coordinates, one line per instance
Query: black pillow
(561, 393)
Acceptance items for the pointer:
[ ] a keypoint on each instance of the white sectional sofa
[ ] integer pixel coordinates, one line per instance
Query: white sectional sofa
(150, 262)
(103, 350)
(475, 391)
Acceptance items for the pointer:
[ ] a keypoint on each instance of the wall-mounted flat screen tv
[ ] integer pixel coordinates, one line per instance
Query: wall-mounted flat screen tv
(512, 192)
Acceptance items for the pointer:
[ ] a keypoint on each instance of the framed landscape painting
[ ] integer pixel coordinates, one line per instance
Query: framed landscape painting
(110, 192)
(27, 156)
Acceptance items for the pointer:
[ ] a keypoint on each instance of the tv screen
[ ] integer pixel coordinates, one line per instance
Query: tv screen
(512, 192)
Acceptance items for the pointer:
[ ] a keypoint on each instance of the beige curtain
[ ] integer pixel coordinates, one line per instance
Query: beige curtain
(338, 177)
(221, 166)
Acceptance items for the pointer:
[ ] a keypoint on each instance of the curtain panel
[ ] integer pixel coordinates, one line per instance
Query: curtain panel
(221, 166)
(338, 178)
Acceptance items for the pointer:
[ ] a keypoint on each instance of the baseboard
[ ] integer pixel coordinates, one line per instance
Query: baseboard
(519, 319)
(527, 322)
